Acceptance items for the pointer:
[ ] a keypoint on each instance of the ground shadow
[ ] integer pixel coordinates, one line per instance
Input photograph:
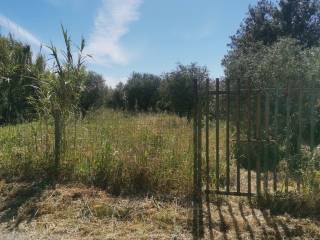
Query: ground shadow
(234, 221)
(209, 216)
(271, 222)
(19, 202)
(223, 227)
(264, 231)
(246, 220)
(252, 235)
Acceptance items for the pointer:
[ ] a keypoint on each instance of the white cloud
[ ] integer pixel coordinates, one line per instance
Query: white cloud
(19, 31)
(110, 25)
(112, 81)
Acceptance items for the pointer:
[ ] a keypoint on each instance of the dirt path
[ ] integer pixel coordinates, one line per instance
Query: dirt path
(33, 211)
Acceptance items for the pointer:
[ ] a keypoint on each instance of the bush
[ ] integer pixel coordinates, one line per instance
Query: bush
(269, 155)
(295, 204)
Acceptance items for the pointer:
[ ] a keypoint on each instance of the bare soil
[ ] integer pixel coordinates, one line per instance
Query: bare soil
(36, 211)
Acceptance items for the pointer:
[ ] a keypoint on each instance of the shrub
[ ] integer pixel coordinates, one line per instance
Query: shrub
(269, 155)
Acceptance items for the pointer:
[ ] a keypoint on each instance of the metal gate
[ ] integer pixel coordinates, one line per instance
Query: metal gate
(253, 137)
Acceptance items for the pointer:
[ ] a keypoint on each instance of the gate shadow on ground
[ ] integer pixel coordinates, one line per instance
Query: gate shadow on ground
(252, 236)
(238, 219)
(20, 202)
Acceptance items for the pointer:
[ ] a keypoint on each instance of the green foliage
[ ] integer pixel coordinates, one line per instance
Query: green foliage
(267, 22)
(269, 155)
(172, 92)
(177, 88)
(286, 66)
(17, 80)
(58, 94)
(94, 93)
(118, 98)
(142, 91)
(276, 47)
(64, 85)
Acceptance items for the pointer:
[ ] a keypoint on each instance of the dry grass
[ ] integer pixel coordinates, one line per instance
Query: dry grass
(79, 212)
(126, 155)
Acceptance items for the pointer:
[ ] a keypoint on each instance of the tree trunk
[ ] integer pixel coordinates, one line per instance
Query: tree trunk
(57, 141)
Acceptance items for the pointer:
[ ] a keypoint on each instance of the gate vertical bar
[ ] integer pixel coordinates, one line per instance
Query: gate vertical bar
(228, 136)
(208, 160)
(276, 112)
(287, 138)
(238, 135)
(258, 141)
(267, 143)
(195, 227)
(207, 138)
(217, 132)
(249, 137)
(312, 123)
(201, 230)
(299, 133)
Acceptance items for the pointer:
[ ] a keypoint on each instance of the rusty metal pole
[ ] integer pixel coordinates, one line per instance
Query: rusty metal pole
(208, 159)
(299, 134)
(276, 112)
(287, 139)
(258, 139)
(195, 227)
(267, 143)
(228, 136)
(217, 132)
(200, 207)
(249, 137)
(238, 135)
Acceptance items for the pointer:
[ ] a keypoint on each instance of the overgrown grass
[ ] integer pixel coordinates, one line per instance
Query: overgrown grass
(124, 153)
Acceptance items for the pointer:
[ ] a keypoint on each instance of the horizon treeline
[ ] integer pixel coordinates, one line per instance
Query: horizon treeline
(276, 45)
(22, 75)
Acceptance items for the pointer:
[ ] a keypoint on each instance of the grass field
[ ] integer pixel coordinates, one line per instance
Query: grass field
(147, 160)
(126, 153)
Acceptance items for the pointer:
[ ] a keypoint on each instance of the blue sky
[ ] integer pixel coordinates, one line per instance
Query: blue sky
(131, 35)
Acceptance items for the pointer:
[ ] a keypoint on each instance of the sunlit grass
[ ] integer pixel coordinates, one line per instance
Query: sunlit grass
(124, 153)
(117, 150)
